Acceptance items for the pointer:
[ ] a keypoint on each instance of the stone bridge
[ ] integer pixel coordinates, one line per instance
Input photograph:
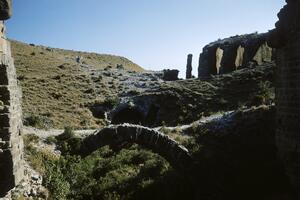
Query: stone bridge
(177, 155)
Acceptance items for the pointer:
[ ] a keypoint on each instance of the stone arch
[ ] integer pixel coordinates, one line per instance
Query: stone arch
(263, 54)
(177, 155)
(219, 56)
(239, 57)
(128, 114)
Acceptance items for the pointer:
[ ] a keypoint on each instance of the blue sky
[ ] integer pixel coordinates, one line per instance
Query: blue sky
(155, 34)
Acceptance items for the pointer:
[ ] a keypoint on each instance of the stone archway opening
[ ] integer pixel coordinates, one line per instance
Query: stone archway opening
(130, 115)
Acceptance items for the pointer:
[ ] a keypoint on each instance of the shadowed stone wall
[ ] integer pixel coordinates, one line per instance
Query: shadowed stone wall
(11, 143)
(177, 155)
(286, 38)
(227, 55)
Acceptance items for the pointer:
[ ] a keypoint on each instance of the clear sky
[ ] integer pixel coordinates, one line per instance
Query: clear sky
(155, 34)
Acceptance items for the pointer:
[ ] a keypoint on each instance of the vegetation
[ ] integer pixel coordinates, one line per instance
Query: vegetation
(230, 160)
(232, 157)
(54, 83)
(131, 173)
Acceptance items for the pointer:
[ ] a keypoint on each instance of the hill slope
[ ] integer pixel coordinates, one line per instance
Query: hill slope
(56, 84)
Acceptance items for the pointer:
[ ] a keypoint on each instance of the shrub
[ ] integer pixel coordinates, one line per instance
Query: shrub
(38, 121)
(68, 143)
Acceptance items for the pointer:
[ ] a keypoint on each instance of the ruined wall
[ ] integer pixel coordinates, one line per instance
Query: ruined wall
(286, 38)
(11, 144)
(227, 55)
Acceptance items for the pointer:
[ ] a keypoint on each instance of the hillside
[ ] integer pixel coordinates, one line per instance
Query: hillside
(210, 118)
(57, 86)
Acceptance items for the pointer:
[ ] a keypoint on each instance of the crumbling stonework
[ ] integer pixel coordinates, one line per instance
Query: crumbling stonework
(11, 143)
(177, 155)
(227, 55)
(189, 67)
(286, 39)
(170, 74)
(5, 9)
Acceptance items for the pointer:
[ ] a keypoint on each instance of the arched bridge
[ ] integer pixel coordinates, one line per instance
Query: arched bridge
(177, 155)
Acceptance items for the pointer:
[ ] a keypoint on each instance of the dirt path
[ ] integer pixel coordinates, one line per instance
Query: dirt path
(43, 134)
(203, 120)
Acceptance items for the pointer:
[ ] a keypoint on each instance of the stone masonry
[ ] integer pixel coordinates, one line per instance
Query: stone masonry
(177, 155)
(11, 143)
(229, 54)
(189, 67)
(286, 39)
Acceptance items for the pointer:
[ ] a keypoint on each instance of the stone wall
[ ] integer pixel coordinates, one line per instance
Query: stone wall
(286, 38)
(11, 143)
(227, 55)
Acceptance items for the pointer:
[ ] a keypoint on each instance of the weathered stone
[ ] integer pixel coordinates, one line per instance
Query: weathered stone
(286, 38)
(170, 74)
(154, 140)
(5, 9)
(227, 55)
(11, 144)
(189, 67)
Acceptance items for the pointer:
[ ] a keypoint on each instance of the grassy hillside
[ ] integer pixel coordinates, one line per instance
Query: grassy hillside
(57, 88)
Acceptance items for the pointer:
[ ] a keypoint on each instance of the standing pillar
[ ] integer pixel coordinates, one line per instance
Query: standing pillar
(189, 67)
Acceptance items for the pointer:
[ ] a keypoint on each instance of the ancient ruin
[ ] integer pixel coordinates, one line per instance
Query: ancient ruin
(286, 39)
(170, 74)
(189, 67)
(220, 57)
(11, 144)
(227, 55)
(117, 135)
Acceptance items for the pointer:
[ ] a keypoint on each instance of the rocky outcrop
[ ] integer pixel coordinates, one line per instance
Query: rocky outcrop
(286, 38)
(227, 55)
(170, 75)
(117, 135)
(11, 143)
(189, 67)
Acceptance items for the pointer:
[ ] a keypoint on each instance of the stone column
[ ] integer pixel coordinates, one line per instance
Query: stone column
(286, 38)
(189, 67)
(11, 143)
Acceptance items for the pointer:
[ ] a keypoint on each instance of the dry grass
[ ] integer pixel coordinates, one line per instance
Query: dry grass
(56, 86)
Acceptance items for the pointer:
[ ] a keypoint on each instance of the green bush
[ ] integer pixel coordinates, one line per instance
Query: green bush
(38, 121)
(68, 142)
